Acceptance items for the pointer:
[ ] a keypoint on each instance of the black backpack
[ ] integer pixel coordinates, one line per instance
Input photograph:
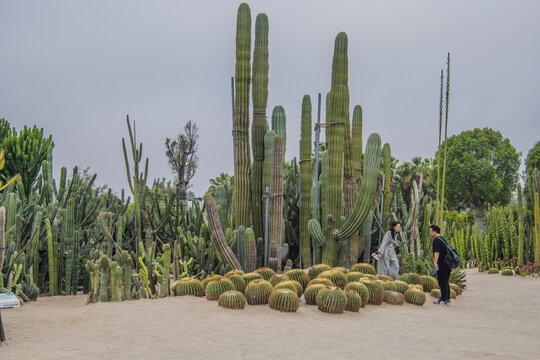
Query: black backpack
(452, 258)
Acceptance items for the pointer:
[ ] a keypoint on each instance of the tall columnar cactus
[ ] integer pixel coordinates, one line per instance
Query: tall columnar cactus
(447, 100)
(221, 201)
(53, 269)
(279, 125)
(68, 239)
(75, 264)
(536, 230)
(350, 190)
(251, 250)
(275, 223)
(268, 149)
(357, 143)
(218, 238)
(336, 122)
(521, 220)
(242, 166)
(127, 266)
(2, 239)
(104, 276)
(164, 289)
(259, 125)
(306, 181)
(387, 168)
(241, 246)
(10, 219)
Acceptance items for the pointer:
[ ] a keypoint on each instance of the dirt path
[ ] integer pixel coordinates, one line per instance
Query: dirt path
(496, 318)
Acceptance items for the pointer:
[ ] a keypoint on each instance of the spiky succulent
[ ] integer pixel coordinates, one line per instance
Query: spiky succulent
(385, 278)
(376, 292)
(493, 271)
(415, 296)
(388, 285)
(361, 289)
(234, 272)
(416, 286)
(322, 281)
(266, 272)
(249, 277)
(238, 282)
(354, 276)
(311, 293)
(429, 283)
(276, 279)
(354, 301)
(456, 288)
(217, 287)
(331, 300)
(258, 291)
(393, 297)
(291, 285)
(364, 268)
(317, 269)
(411, 278)
(453, 294)
(401, 286)
(300, 276)
(209, 278)
(507, 272)
(337, 277)
(340, 268)
(436, 293)
(187, 287)
(284, 300)
(232, 299)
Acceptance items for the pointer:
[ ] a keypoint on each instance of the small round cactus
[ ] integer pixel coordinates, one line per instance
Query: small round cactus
(354, 301)
(187, 287)
(354, 276)
(209, 278)
(416, 286)
(453, 294)
(385, 278)
(232, 299)
(317, 269)
(493, 271)
(234, 272)
(411, 278)
(238, 282)
(429, 283)
(364, 268)
(401, 286)
(388, 285)
(340, 268)
(284, 300)
(507, 272)
(393, 297)
(337, 277)
(311, 293)
(331, 300)
(360, 289)
(415, 296)
(266, 272)
(323, 281)
(291, 285)
(456, 288)
(276, 279)
(300, 276)
(436, 293)
(258, 291)
(249, 277)
(376, 292)
(217, 287)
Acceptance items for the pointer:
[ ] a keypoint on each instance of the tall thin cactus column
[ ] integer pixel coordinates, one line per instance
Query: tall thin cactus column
(336, 122)
(259, 125)
(387, 169)
(357, 148)
(268, 148)
(242, 166)
(2, 238)
(447, 100)
(275, 223)
(279, 125)
(306, 181)
(68, 238)
(536, 230)
(350, 189)
(521, 220)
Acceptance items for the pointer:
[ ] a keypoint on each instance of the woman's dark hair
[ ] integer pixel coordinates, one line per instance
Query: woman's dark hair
(394, 223)
(435, 228)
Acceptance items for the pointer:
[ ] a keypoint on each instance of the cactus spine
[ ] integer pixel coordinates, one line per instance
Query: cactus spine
(338, 111)
(275, 222)
(521, 218)
(387, 169)
(259, 125)
(241, 117)
(306, 181)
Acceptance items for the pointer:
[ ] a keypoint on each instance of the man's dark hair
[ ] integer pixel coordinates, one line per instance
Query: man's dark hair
(435, 228)
(392, 231)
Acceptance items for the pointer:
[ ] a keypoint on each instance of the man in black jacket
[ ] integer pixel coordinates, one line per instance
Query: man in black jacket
(443, 269)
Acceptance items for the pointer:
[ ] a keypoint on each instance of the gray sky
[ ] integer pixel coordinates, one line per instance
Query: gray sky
(77, 68)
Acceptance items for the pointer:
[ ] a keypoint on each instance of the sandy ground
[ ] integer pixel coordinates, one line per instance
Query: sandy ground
(495, 318)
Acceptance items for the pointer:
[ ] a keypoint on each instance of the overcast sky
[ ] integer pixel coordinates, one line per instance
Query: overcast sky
(76, 68)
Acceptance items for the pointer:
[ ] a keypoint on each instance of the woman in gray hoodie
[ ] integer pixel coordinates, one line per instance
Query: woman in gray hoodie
(388, 262)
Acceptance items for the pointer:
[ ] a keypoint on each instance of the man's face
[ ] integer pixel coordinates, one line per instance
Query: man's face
(432, 233)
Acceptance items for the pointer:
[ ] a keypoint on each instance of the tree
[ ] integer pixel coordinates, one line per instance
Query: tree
(25, 151)
(183, 159)
(482, 167)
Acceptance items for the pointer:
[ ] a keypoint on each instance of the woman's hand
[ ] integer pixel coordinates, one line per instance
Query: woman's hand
(379, 255)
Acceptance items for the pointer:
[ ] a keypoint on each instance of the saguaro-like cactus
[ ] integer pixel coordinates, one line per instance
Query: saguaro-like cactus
(306, 181)
(387, 162)
(357, 143)
(259, 125)
(536, 230)
(68, 239)
(164, 289)
(268, 148)
(275, 223)
(242, 166)
(279, 125)
(251, 250)
(521, 219)
(2, 238)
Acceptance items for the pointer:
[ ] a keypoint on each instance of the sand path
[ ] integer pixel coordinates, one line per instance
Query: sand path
(496, 318)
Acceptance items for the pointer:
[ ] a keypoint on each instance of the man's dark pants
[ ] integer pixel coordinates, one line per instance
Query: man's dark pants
(442, 277)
